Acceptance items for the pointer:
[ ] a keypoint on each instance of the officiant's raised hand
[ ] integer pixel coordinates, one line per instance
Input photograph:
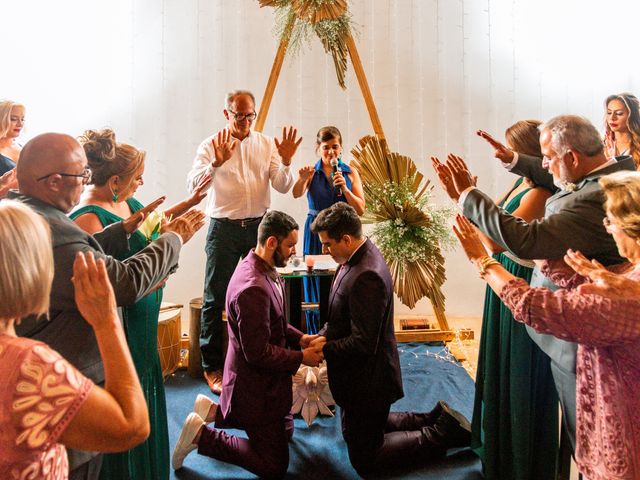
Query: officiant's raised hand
(223, 146)
(502, 153)
(288, 145)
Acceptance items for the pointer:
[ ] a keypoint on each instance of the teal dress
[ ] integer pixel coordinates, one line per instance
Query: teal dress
(150, 460)
(515, 416)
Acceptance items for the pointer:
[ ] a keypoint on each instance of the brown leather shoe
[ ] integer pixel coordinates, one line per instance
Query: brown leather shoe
(214, 380)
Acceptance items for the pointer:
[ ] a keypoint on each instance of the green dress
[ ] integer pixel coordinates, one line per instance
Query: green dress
(150, 460)
(515, 415)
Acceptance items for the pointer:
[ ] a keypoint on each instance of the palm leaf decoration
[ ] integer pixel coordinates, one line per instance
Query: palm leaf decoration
(329, 20)
(407, 228)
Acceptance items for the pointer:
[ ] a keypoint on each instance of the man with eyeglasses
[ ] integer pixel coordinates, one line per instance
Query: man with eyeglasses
(243, 165)
(573, 162)
(52, 172)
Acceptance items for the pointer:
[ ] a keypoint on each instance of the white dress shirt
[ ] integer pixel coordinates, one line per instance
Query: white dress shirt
(240, 187)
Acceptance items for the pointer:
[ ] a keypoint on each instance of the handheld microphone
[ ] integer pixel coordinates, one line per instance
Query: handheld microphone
(336, 168)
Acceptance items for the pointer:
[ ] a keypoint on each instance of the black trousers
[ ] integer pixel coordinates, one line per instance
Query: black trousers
(377, 439)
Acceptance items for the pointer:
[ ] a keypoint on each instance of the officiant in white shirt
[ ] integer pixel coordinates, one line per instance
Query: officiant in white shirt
(243, 164)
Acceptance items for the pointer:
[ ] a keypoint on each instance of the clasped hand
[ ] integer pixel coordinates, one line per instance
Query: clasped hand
(312, 354)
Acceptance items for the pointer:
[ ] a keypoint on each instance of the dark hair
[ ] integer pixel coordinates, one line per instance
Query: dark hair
(338, 220)
(275, 224)
(632, 105)
(328, 133)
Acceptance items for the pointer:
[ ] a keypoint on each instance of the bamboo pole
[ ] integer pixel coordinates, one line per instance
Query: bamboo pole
(273, 76)
(364, 88)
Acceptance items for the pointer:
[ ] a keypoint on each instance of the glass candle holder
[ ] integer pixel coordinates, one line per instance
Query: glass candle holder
(310, 262)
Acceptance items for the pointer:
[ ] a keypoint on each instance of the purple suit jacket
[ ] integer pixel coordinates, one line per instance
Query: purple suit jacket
(361, 352)
(257, 370)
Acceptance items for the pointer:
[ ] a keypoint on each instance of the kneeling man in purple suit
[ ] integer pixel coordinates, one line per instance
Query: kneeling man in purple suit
(256, 393)
(359, 345)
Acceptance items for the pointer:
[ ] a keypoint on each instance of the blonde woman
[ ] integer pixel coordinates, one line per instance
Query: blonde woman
(11, 124)
(47, 404)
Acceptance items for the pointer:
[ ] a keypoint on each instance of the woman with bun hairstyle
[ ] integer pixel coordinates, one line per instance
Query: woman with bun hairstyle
(622, 126)
(117, 170)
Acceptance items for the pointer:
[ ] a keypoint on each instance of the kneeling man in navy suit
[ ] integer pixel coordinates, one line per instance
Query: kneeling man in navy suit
(359, 345)
(257, 388)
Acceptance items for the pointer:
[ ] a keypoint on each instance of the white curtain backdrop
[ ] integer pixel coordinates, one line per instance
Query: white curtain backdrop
(157, 70)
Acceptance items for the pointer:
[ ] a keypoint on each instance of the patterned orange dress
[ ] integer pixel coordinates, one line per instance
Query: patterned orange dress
(40, 393)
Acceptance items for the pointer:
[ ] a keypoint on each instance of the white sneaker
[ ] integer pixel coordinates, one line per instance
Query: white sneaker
(205, 407)
(185, 445)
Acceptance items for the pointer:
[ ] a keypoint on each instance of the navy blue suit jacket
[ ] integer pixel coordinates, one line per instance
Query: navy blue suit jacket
(361, 351)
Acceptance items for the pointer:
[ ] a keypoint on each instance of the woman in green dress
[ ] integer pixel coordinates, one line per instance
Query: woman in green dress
(117, 171)
(515, 416)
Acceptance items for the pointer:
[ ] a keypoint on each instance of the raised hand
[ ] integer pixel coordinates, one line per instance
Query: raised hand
(446, 178)
(132, 223)
(502, 153)
(288, 146)
(201, 189)
(469, 239)
(223, 145)
(611, 285)
(462, 178)
(306, 172)
(93, 291)
(610, 145)
(185, 225)
(7, 182)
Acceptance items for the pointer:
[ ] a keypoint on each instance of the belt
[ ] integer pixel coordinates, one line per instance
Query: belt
(242, 222)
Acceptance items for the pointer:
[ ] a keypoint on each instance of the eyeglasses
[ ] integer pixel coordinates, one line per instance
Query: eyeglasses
(243, 116)
(85, 175)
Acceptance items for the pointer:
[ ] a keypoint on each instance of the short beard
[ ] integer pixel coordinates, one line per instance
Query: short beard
(278, 259)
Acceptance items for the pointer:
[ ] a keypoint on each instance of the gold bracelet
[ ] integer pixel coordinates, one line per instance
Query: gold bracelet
(485, 262)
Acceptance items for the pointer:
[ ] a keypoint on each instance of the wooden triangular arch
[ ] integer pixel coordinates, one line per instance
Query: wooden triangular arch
(444, 332)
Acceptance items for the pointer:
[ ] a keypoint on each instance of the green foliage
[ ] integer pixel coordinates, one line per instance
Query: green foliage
(416, 230)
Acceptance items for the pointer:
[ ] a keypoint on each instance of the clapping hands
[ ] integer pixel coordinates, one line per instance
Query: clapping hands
(454, 175)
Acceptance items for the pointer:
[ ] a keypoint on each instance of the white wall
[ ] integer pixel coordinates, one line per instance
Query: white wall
(157, 71)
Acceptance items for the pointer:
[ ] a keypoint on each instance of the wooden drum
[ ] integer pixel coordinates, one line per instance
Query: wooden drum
(169, 337)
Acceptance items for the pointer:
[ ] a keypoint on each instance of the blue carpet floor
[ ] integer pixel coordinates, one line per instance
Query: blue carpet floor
(319, 452)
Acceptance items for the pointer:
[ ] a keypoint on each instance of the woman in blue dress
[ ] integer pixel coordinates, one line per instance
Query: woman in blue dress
(329, 181)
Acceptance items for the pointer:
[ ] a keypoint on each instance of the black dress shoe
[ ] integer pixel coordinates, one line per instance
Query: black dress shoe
(451, 430)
